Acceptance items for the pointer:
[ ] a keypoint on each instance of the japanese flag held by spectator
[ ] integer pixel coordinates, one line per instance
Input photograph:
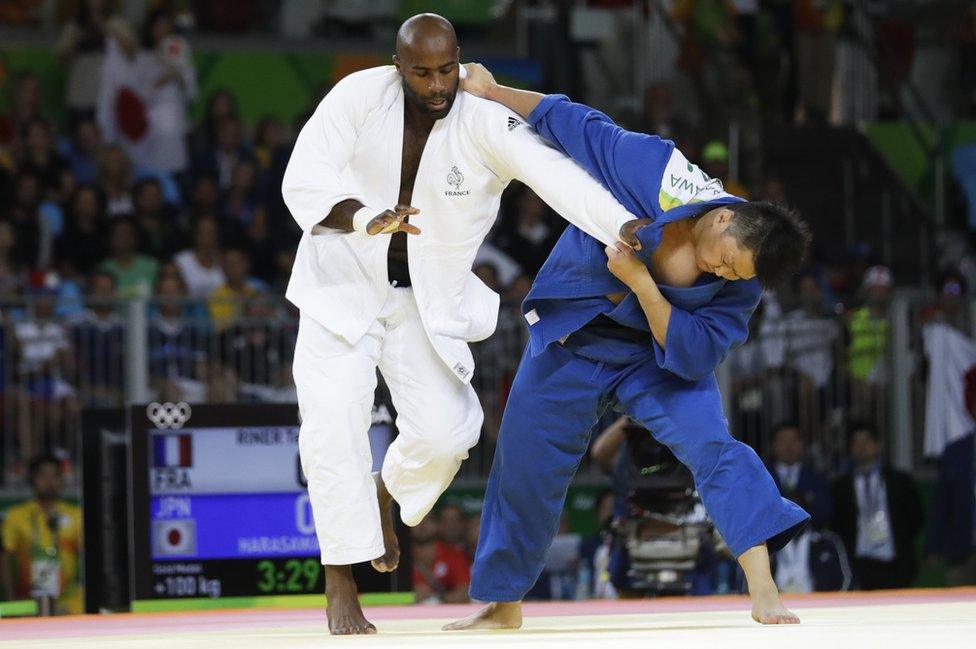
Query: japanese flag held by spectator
(952, 363)
(121, 110)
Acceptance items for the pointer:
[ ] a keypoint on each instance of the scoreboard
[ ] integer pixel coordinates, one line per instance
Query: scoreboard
(219, 505)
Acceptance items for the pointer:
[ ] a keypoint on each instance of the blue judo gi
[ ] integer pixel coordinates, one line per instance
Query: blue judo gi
(586, 354)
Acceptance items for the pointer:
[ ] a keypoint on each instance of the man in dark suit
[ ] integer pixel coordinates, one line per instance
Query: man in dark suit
(878, 513)
(797, 479)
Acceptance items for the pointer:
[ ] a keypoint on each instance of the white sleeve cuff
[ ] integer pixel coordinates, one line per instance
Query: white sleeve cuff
(362, 217)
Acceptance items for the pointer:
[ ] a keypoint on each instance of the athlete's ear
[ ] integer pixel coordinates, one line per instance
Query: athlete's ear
(724, 216)
(396, 63)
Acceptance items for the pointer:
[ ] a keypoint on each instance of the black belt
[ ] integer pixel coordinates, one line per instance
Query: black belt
(398, 273)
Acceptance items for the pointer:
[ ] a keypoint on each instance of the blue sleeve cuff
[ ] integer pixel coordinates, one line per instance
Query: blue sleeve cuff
(544, 107)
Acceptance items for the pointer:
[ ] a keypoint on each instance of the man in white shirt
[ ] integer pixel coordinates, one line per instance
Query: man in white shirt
(371, 296)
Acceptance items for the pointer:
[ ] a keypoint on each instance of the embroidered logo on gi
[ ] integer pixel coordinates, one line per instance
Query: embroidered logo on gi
(455, 178)
(460, 370)
(513, 124)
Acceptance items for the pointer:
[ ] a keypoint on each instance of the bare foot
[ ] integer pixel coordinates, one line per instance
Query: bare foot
(767, 608)
(497, 615)
(342, 608)
(391, 555)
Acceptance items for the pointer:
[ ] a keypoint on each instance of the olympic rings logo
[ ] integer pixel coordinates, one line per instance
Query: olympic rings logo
(168, 415)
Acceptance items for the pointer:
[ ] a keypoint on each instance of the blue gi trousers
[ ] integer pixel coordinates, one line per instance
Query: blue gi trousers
(556, 399)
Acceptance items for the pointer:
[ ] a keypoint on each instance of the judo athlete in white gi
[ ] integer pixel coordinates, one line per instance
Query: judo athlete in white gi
(398, 149)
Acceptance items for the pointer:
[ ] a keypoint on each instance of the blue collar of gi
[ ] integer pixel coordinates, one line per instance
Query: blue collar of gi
(650, 235)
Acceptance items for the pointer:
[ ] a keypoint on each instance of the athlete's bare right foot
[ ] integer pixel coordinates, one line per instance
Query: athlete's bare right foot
(767, 608)
(342, 609)
(497, 615)
(391, 553)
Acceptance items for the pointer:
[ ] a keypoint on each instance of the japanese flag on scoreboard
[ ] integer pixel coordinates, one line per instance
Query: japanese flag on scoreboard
(177, 536)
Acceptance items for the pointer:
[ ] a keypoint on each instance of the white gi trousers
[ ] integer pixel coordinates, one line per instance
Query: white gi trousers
(438, 420)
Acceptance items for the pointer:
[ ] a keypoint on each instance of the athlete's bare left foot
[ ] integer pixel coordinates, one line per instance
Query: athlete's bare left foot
(767, 608)
(342, 609)
(391, 553)
(497, 615)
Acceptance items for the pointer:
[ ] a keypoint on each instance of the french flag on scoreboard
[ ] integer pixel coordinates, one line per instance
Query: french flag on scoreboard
(173, 450)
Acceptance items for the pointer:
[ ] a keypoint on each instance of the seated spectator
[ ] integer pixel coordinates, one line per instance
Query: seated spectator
(452, 525)
(40, 543)
(878, 514)
(25, 105)
(226, 302)
(99, 342)
(33, 232)
(156, 222)
(81, 246)
(441, 574)
(40, 156)
(200, 265)
(220, 105)
(796, 478)
(224, 153)
(243, 208)
(205, 196)
(529, 237)
(115, 180)
(86, 143)
(12, 275)
(177, 342)
(269, 141)
(47, 402)
(134, 273)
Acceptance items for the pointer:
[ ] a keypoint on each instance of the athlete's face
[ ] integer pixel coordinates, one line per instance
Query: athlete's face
(718, 252)
(430, 75)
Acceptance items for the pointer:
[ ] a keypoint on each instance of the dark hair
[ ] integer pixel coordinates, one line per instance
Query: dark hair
(146, 33)
(103, 273)
(778, 238)
(788, 423)
(35, 465)
(859, 425)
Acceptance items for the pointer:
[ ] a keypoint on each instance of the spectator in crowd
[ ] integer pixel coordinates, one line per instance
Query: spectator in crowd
(25, 106)
(82, 157)
(269, 142)
(529, 237)
(32, 230)
(200, 265)
(452, 525)
(715, 162)
(220, 105)
(227, 302)
(115, 180)
(796, 478)
(803, 343)
(40, 542)
(259, 348)
(47, 403)
(157, 224)
(98, 337)
(243, 208)
(144, 96)
(204, 196)
(816, 23)
(220, 157)
(135, 273)
(81, 245)
(82, 49)
(867, 329)
(11, 267)
(38, 155)
(177, 355)
(441, 573)
(878, 514)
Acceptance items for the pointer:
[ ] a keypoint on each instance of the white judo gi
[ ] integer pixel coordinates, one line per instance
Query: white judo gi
(353, 320)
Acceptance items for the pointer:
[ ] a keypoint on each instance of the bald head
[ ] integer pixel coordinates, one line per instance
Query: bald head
(425, 32)
(427, 60)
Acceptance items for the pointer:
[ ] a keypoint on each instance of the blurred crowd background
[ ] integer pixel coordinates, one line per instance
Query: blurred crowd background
(144, 245)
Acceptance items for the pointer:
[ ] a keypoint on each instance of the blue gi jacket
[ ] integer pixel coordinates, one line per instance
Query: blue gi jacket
(651, 178)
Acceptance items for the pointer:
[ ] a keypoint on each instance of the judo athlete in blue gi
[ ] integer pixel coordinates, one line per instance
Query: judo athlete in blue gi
(639, 327)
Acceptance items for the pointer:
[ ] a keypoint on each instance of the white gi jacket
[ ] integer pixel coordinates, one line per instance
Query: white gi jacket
(351, 148)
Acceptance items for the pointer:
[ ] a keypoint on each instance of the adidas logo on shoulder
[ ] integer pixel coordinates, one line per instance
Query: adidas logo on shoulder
(513, 124)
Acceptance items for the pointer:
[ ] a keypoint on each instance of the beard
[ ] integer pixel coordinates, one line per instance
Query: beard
(421, 101)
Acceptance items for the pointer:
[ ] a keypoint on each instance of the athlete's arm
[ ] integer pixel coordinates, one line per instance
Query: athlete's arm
(313, 188)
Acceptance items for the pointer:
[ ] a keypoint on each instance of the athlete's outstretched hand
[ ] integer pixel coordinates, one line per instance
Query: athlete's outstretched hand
(393, 221)
(625, 265)
(477, 79)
